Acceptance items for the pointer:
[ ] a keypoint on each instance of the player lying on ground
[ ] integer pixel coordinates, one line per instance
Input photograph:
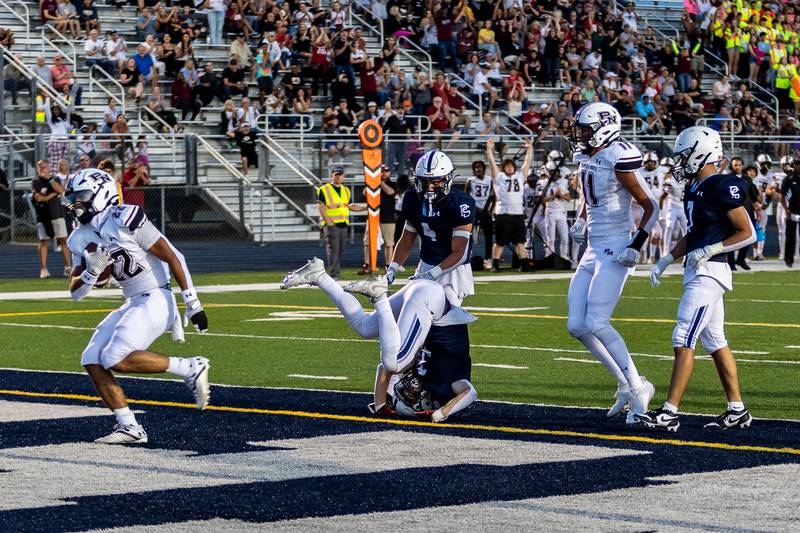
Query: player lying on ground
(121, 239)
(717, 225)
(608, 169)
(403, 331)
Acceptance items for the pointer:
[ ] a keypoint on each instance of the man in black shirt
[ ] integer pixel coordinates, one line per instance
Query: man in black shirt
(46, 193)
(790, 199)
(233, 80)
(341, 55)
(246, 141)
(751, 198)
(386, 220)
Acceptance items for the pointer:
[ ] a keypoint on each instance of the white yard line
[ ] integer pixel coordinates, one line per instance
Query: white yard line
(307, 376)
(574, 360)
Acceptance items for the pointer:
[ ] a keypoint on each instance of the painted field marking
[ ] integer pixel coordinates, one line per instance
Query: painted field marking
(505, 309)
(630, 297)
(576, 360)
(329, 308)
(417, 423)
(508, 367)
(793, 347)
(307, 376)
(332, 339)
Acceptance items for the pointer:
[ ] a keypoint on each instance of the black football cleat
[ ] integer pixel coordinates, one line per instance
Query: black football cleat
(730, 420)
(659, 419)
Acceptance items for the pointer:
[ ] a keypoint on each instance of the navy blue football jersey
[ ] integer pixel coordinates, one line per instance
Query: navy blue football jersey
(435, 228)
(706, 204)
(445, 359)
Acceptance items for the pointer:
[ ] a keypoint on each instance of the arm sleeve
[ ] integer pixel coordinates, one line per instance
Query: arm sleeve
(147, 235)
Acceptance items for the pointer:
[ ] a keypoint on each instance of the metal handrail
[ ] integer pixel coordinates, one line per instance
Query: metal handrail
(776, 103)
(303, 118)
(295, 163)
(271, 203)
(161, 121)
(93, 81)
(352, 15)
(301, 210)
(26, 20)
(30, 74)
(222, 160)
(413, 59)
(71, 58)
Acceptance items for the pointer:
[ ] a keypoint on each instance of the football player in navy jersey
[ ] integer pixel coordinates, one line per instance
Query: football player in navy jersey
(717, 224)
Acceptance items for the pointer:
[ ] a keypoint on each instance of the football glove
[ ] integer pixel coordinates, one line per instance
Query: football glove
(700, 257)
(658, 269)
(194, 311)
(627, 257)
(431, 274)
(391, 272)
(97, 261)
(578, 230)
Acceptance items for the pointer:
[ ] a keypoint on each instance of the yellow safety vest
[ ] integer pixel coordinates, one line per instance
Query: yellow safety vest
(40, 117)
(784, 78)
(775, 56)
(794, 92)
(336, 204)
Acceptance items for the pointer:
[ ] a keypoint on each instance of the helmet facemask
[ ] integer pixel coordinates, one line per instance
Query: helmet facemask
(434, 188)
(580, 137)
(80, 203)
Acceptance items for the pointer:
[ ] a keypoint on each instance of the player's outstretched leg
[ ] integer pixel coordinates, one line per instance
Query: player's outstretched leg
(307, 274)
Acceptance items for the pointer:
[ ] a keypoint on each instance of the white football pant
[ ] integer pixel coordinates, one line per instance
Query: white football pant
(530, 234)
(701, 314)
(134, 326)
(556, 224)
(593, 294)
(675, 224)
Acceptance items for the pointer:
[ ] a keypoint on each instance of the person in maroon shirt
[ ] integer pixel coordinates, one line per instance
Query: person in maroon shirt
(447, 45)
(440, 118)
(183, 99)
(369, 84)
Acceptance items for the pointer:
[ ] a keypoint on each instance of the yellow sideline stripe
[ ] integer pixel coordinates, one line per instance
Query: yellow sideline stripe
(329, 308)
(418, 423)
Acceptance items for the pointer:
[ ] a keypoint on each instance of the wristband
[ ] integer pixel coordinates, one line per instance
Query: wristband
(667, 259)
(88, 279)
(394, 266)
(435, 272)
(189, 295)
(639, 238)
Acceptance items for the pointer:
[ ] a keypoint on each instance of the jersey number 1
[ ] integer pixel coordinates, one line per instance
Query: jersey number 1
(587, 178)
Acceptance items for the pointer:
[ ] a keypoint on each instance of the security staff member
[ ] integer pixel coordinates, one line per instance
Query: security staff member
(334, 207)
(790, 199)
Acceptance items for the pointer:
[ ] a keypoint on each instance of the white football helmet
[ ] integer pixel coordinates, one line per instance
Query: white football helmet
(667, 162)
(556, 157)
(787, 164)
(596, 125)
(433, 176)
(764, 160)
(650, 157)
(90, 191)
(695, 148)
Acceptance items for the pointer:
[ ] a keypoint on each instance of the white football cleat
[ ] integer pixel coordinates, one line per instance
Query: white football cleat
(622, 401)
(133, 434)
(308, 274)
(373, 288)
(640, 399)
(197, 381)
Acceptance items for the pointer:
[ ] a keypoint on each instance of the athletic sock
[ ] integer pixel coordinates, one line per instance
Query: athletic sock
(735, 406)
(125, 417)
(347, 303)
(670, 408)
(600, 353)
(616, 347)
(180, 366)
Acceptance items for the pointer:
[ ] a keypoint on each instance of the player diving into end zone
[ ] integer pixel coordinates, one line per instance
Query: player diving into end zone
(442, 218)
(141, 259)
(608, 168)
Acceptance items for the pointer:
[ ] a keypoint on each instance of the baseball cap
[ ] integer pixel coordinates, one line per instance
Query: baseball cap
(338, 169)
(372, 104)
(384, 167)
(483, 64)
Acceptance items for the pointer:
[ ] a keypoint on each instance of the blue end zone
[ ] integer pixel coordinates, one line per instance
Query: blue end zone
(217, 432)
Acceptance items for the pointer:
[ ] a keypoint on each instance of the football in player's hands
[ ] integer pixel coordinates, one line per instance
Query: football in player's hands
(197, 315)
(96, 260)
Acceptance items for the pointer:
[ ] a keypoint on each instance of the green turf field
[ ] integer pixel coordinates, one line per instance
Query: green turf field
(246, 349)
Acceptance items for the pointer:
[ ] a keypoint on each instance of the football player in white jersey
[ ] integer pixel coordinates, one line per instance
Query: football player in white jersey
(674, 217)
(718, 224)
(509, 186)
(787, 169)
(556, 195)
(533, 198)
(479, 186)
(763, 181)
(608, 171)
(651, 175)
(141, 258)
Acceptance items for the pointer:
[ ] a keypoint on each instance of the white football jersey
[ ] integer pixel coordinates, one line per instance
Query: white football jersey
(480, 190)
(653, 179)
(128, 234)
(558, 206)
(509, 190)
(608, 203)
(674, 190)
(529, 197)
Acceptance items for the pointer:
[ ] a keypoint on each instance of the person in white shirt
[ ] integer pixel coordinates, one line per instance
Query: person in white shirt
(481, 87)
(479, 186)
(608, 168)
(557, 198)
(247, 114)
(95, 50)
(509, 185)
(116, 50)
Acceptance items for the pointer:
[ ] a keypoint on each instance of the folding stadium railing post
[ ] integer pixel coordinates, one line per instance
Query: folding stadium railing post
(12, 191)
(2, 100)
(162, 197)
(190, 148)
